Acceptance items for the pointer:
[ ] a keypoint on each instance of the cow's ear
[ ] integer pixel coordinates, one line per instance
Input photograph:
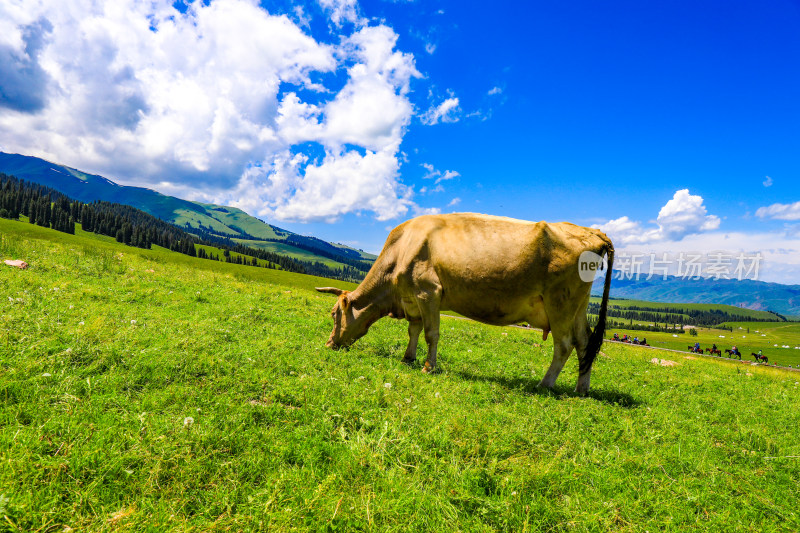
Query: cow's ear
(345, 301)
(330, 290)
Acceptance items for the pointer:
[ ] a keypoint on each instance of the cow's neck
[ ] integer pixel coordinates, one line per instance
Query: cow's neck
(373, 297)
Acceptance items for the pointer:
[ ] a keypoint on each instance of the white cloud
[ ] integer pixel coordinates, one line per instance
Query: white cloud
(418, 211)
(438, 175)
(195, 103)
(780, 211)
(681, 216)
(341, 183)
(454, 202)
(494, 90)
(341, 11)
(779, 262)
(448, 175)
(447, 111)
(626, 231)
(768, 182)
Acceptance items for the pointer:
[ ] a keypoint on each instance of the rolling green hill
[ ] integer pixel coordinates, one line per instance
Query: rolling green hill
(194, 217)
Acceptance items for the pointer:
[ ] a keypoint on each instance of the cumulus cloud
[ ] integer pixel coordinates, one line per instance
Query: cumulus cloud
(780, 211)
(225, 102)
(768, 182)
(681, 216)
(448, 111)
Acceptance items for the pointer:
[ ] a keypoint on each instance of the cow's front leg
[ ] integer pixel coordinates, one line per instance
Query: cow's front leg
(562, 348)
(430, 321)
(414, 329)
(432, 340)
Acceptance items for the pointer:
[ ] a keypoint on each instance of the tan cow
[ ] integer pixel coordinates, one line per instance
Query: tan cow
(495, 270)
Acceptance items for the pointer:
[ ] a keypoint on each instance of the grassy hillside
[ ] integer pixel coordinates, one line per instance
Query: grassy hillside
(289, 251)
(149, 390)
(241, 221)
(220, 220)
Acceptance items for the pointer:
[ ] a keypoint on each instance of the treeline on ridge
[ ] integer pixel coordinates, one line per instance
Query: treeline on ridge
(47, 207)
(675, 315)
(308, 244)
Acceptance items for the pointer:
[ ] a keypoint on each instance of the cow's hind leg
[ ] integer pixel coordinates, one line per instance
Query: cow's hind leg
(582, 333)
(562, 348)
(414, 329)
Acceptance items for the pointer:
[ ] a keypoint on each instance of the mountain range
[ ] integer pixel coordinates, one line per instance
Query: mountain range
(243, 228)
(194, 217)
(747, 293)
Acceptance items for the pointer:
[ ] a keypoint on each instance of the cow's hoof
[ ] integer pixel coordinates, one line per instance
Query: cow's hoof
(427, 369)
(408, 361)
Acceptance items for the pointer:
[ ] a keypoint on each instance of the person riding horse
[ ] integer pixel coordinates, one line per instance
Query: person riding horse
(735, 351)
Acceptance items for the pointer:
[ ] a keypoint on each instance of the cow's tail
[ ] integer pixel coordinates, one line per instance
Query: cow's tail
(596, 337)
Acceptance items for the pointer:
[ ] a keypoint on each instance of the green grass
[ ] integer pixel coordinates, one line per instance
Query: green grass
(107, 351)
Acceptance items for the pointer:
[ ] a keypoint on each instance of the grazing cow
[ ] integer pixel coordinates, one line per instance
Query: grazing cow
(492, 269)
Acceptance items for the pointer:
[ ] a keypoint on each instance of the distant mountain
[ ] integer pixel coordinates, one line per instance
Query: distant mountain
(194, 217)
(759, 295)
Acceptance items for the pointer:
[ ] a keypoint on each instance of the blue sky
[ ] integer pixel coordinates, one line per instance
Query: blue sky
(672, 126)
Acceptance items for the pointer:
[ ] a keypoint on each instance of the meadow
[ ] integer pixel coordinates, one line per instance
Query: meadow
(147, 390)
(777, 340)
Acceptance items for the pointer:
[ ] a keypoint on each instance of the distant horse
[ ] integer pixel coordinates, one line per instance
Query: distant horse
(762, 358)
(731, 353)
(694, 350)
(714, 351)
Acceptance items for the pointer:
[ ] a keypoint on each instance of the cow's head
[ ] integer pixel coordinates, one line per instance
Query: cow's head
(349, 324)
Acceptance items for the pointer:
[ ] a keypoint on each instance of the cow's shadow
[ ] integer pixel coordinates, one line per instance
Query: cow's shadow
(531, 386)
